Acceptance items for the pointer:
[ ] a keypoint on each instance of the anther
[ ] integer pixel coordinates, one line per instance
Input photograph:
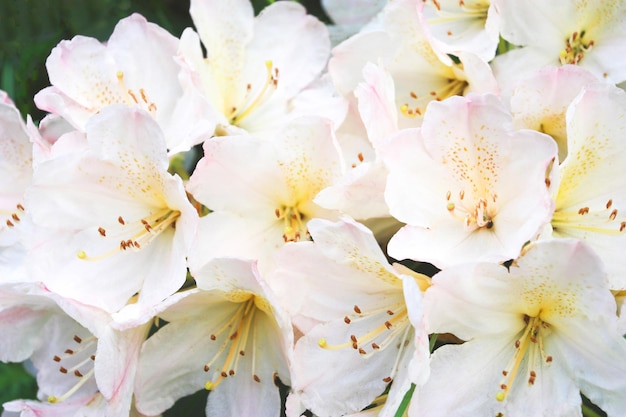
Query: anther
(77, 339)
(224, 374)
(121, 220)
(387, 379)
(609, 204)
(613, 214)
(583, 211)
(206, 368)
(360, 156)
(63, 370)
(56, 358)
(256, 378)
(389, 312)
(10, 223)
(357, 310)
(346, 319)
(361, 351)
(102, 231)
(388, 325)
(78, 374)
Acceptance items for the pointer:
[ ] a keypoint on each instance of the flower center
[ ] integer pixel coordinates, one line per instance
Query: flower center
(76, 361)
(233, 340)
(133, 98)
(256, 97)
(294, 223)
(416, 104)
(604, 220)
(478, 215)
(136, 234)
(390, 327)
(530, 342)
(575, 48)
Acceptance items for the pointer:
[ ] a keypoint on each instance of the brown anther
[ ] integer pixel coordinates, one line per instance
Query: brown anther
(277, 213)
(609, 204)
(56, 358)
(256, 378)
(121, 220)
(503, 387)
(62, 370)
(234, 336)
(388, 325)
(206, 368)
(143, 95)
(449, 33)
(622, 226)
(387, 379)
(413, 95)
(10, 223)
(224, 374)
(389, 312)
(152, 107)
(78, 374)
(212, 337)
(147, 227)
(68, 352)
(448, 195)
(613, 214)
(357, 310)
(231, 372)
(20, 207)
(360, 156)
(355, 346)
(77, 339)
(353, 165)
(505, 373)
(461, 195)
(249, 87)
(136, 244)
(130, 93)
(517, 343)
(102, 231)
(346, 320)
(489, 224)
(92, 357)
(549, 359)
(242, 353)
(375, 346)
(583, 211)
(361, 351)
(15, 217)
(353, 338)
(548, 182)
(433, 93)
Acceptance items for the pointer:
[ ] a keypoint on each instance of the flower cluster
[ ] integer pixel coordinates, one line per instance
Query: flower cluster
(419, 210)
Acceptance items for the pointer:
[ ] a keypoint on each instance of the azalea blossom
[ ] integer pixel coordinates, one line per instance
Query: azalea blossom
(136, 67)
(590, 194)
(468, 186)
(112, 221)
(268, 197)
(360, 317)
(536, 335)
(589, 34)
(254, 68)
(228, 336)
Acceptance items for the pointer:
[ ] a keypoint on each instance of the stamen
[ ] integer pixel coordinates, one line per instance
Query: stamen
(271, 83)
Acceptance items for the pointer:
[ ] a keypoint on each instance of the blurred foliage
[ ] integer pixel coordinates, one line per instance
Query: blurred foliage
(16, 382)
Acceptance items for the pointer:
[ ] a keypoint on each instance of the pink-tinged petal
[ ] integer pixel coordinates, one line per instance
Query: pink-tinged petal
(351, 56)
(116, 365)
(82, 71)
(225, 40)
(87, 406)
(540, 101)
(377, 105)
(360, 193)
(296, 43)
(594, 357)
(254, 180)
